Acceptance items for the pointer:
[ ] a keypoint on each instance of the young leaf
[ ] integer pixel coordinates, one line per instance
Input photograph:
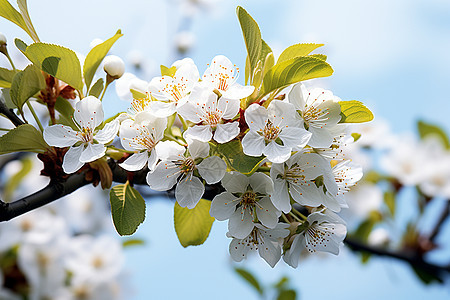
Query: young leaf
(193, 225)
(65, 110)
(8, 12)
(354, 112)
(127, 208)
(294, 70)
(165, 71)
(252, 36)
(287, 295)
(319, 56)
(296, 51)
(237, 160)
(24, 138)
(6, 77)
(25, 85)
(426, 130)
(20, 45)
(132, 242)
(266, 57)
(57, 61)
(97, 88)
(389, 200)
(26, 18)
(95, 57)
(247, 276)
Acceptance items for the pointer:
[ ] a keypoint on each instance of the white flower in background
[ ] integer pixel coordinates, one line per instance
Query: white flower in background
(114, 66)
(204, 109)
(266, 241)
(86, 289)
(273, 132)
(320, 112)
(295, 178)
(127, 82)
(184, 40)
(407, 162)
(221, 75)
(378, 237)
(141, 135)
(86, 144)
(177, 168)
(246, 200)
(322, 231)
(96, 259)
(346, 174)
(172, 92)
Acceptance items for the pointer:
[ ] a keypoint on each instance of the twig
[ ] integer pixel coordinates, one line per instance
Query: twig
(9, 113)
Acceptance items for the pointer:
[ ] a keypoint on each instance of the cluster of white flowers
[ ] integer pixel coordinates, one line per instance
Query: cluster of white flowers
(299, 137)
(66, 250)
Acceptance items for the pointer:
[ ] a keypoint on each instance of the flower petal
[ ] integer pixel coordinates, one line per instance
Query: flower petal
(71, 162)
(240, 224)
(212, 169)
(60, 136)
(189, 191)
(266, 213)
(256, 117)
(253, 144)
(238, 249)
(108, 133)
(135, 162)
(270, 252)
(88, 112)
(277, 153)
(164, 176)
(190, 111)
(226, 132)
(92, 152)
(295, 137)
(223, 206)
(228, 107)
(198, 149)
(298, 96)
(237, 91)
(235, 182)
(169, 150)
(199, 132)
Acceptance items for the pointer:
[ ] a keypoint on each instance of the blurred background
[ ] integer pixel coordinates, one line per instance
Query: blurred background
(391, 55)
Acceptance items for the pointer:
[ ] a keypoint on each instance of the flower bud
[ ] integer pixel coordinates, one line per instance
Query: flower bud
(2, 39)
(114, 66)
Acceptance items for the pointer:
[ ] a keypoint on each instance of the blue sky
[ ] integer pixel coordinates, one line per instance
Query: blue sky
(392, 55)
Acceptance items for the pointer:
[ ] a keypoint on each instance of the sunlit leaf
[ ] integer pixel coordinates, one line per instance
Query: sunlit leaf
(6, 77)
(165, 71)
(252, 36)
(97, 88)
(26, 84)
(26, 18)
(24, 138)
(427, 130)
(297, 50)
(193, 225)
(354, 112)
(95, 57)
(237, 160)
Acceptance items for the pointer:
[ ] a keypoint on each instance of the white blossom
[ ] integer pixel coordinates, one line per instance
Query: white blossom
(222, 75)
(264, 240)
(295, 178)
(114, 66)
(141, 136)
(273, 132)
(322, 231)
(177, 168)
(320, 111)
(87, 143)
(210, 113)
(245, 201)
(346, 174)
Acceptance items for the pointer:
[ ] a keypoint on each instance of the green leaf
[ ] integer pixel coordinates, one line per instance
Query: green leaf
(57, 61)
(8, 12)
(250, 279)
(427, 130)
(425, 276)
(65, 110)
(132, 242)
(389, 200)
(95, 57)
(127, 208)
(137, 94)
(24, 138)
(97, 88)
(287, 295)
(165, 71)
(280, 285)
(26, 18)
(237, 160)
(356, 136)
(319, 56)
(295, 70)
(364, 229)
(193, 225)
(20, 45)
(252, 36)
(266, 57)
(296, 51)
(14, 181)
(354, 112)
(6, 77)
(365, 256)
(25, 85)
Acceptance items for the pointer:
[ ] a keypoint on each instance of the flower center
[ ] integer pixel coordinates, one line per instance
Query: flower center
(186, 166)
(86, 135)
(295, 175)
(212, 118)
(176, 91)
(248, 198)
(317, 236)
(145, 139)
(139, 105)
(270, 132)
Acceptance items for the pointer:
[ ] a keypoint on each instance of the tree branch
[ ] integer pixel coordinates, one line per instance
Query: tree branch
(9, 113)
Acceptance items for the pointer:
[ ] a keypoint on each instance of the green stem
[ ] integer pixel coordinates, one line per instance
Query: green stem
(10, 61)
(263, 169)
(185, 125)
(4, 129)
(299, 214)
(285, 218)
(104, 90)
(30, 107)
(295, 217)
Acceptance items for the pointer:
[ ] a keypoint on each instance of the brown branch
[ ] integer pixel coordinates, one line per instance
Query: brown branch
(437, 228)
(9, 113)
